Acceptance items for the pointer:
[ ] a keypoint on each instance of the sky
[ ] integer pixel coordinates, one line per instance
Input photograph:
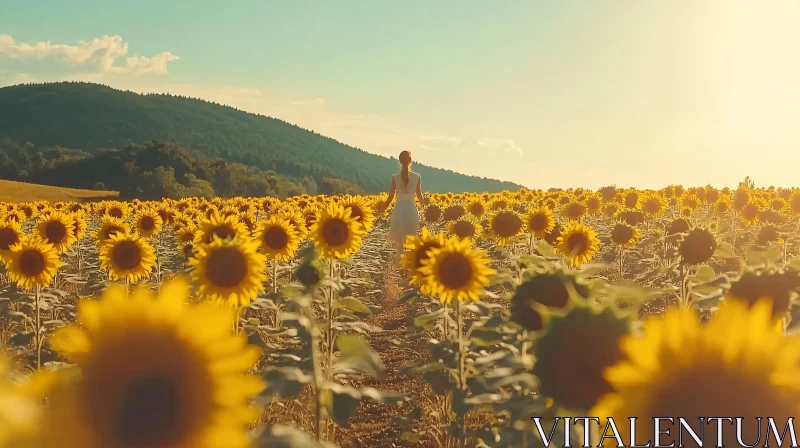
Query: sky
(568, 93)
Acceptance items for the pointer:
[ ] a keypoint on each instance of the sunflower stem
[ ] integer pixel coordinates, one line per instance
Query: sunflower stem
(462, 439)
(275, 276)
(38, 329)
(683, 300)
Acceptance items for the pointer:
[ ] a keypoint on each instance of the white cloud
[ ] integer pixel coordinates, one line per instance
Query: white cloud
(106, 55)
(499, 145)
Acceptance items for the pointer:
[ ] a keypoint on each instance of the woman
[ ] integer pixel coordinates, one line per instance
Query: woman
(405, 217)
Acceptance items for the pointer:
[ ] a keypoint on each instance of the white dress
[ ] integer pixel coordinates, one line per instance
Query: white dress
(405, 216)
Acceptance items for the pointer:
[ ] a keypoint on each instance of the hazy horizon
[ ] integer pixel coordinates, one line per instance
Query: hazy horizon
(567, 94)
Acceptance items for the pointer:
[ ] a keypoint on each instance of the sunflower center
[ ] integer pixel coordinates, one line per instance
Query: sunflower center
(506, 225)
(577, 243)
(127, 255)
(311, 218)
(55, 231)
(8, 238)
(422, 253)
(115, 212)
(147, 223)
(455, 271)
(335, 232)
(464, 229)
(276, 238)
(226, 267)
(32, 263)
(150, 413)
(453, 213)
(188, 250)
(527, 316)
(356, 212)
(112, 230)
(538, 222)
(223, 232)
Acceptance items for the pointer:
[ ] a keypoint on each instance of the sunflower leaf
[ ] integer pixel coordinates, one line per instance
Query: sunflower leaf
(357, 353)
(545, 249)
(286, 382)
(725, 250)
(352, 304)
(282, 436)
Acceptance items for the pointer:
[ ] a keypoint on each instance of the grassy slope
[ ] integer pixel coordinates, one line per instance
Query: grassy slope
(11, 191)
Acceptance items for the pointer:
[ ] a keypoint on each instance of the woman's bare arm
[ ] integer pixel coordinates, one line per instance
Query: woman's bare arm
(422, 200)
(392, 190)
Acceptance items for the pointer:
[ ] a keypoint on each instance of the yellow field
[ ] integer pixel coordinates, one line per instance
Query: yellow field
(183, 314)
(12, 191)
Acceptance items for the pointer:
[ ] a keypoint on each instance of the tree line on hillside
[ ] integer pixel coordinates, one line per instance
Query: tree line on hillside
(153, 171)
(91, 117)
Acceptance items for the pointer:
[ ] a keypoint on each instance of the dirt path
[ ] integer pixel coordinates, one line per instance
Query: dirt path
(400, 342)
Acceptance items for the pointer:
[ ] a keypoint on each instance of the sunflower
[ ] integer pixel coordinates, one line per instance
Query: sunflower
(127, 257)
(278, 238)
(751, 211)
(608, 193)
(116, 209)
(632, 217)
(540, 291)
(57, 229)
(14, 215)
(794, 202)
(697, 246)
(223, 227)
(540, 221)
(79, 225)
(504, 226)
(578, 242)
(740, 198)
(110, 226)
(679, 225)
(32, 262)
(229, 271)
(631, 199)
(456, 271)
(681, 368)
(432, 213)
(593, 204)
(186, 234)
(360, 210)
(148, 223)
(465, 228)
(296, 219)
(690, 201)
(155, 372)
(652, 204)
(778, 285)
(573, 210)
(611, 209)
(248, 219)
(418, 250)
(453, 212)
(573, 377)
(476, 208)
(335, 233)
(768, 234)
(10, 234)
(625, 235)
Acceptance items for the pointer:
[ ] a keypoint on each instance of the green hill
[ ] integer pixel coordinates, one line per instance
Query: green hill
(91, 117)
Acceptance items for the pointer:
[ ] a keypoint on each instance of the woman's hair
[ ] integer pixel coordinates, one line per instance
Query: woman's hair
(405, 160)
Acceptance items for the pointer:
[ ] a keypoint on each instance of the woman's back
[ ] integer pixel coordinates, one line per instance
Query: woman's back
(406, 192)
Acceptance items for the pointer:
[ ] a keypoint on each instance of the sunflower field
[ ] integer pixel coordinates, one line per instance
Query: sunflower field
(258, 322)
